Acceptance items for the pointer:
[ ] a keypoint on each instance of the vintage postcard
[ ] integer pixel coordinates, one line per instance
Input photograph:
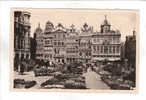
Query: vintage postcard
(74, 50)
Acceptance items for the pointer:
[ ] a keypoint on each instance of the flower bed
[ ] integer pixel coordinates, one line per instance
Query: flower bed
(67, 81)
(21, 83)
(29, 84)
(115, 84)
(50, 82)
(71, 84)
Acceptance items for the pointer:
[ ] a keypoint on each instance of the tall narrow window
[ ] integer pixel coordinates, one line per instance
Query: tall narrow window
(101, 50)
(59, 43)
(55, 42)
(94, 48)
(98, 49)
(105, 49)
(94, 40)
(117, 49)
(113, 49)
(110, 49)
(21, 46)
(62, 43)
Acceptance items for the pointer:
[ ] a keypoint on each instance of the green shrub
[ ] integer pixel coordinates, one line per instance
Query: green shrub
(29, 84)
(50, 82)
(70, 84)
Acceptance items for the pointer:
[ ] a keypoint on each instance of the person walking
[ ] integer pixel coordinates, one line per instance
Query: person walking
(22, 68)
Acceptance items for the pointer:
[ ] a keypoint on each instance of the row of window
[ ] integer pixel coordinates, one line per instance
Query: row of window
(59, 36)
(106, 55)
(48, 56)
(39, 40)
(58, 43)
(22, 44)
(22, 19)
(106, 49)
(85, 54)
(84, 44)
(51, 56)
(48, 42)
(95, 49)
(40, 55)
(113, 40)
(72, 51)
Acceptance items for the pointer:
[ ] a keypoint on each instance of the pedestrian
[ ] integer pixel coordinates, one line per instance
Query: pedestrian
(92, 68)
(22, 68)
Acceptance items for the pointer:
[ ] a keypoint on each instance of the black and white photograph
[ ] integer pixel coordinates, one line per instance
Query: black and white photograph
(74, 49)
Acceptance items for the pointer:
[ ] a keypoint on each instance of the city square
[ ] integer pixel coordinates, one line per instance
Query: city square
(59, 57)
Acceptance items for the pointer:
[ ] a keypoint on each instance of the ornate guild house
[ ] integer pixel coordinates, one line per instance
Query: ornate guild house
(59, 44)
(106, 43)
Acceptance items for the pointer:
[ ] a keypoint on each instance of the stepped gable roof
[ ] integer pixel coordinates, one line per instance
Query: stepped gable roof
(60, 28)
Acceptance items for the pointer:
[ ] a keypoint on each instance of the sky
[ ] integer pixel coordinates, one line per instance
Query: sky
(123, 20)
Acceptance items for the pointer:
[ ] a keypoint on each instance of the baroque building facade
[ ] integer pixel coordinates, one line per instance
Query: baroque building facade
(72, 45)
(62, 45)
(59, 43)
(106, 43)
(85, 43)
(48, 42)
(21, 36)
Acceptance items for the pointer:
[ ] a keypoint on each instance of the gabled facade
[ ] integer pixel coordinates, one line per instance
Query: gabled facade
(48, 42)
(72, 45)
(64, 45)
(106, 43)
(59, 46)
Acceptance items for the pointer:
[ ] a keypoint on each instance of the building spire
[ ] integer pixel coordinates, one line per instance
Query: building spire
(105, 20)
(105, 17)
(39, 24)
(134, 32)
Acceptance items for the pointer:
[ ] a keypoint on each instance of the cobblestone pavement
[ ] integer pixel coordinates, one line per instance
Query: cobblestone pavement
(93, 81)
(30, 76)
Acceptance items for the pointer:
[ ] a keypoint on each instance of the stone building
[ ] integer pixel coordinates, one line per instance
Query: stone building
(48, 42)
(122, 51)
(33, 48)
(72, 45)
(130, 49)
(59, 43)
(21, 36)
(85, 43)
(106, 43)
(39, 38)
